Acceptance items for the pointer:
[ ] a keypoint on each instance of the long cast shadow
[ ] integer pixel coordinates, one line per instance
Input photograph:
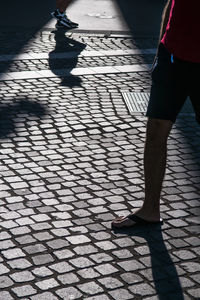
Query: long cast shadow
(19, 22)
(10, 113)
(164, 273)
(63, 66)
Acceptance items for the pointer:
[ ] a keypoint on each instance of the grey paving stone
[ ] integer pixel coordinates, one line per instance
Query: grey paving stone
(194, 293)
(68, 278)
(42, 272)
(65, 253)
(19, 264)
(47, 284)
(44, 296)
(121, 294)
(42, 259)
(191, 267)
(5, 282)
(81, 262)
(101, 297)
(69, 293)
(6, 244)
(13, 253)
(88, 273)
(101, 257)
(131, 265)
(88, 249)
(5, 295)
(106, 269)
(23, 291)
(184, 254)
(61, 267)
(142, 289)
(110, 283)
(57, 244)
(90, 288)
(77, 239)
(22, 276)
(37, 248)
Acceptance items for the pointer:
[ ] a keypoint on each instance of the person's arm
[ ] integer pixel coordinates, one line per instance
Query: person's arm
(165, 18)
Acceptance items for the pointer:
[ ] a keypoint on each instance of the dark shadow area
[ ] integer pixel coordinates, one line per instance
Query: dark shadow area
(10, 114)
(142, 17)
(73, 48)
(19, 22)
(164, 273)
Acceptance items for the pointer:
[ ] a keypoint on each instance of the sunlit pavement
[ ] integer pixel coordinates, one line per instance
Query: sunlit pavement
(71, 161)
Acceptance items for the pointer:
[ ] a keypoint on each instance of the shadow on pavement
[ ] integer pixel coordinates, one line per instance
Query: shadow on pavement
(14, 115)
(19, 22)
(73, 48)
(162, 268)
(142, 17)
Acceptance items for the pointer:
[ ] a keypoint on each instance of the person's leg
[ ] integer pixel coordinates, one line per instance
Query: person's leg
(154, 169)
(62, 5)
(155, 156)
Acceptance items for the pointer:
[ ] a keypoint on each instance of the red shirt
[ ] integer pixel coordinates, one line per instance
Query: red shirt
(182, 36)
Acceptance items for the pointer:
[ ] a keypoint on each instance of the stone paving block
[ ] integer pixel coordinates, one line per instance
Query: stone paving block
(68, 278)
(19, 264)
(78, 239)
(13, 253)
(90, 288)
(36, 248)
(121, 294)
(131, 265)
(101, 297)
(5, 282)
(130, 278)
(5, 295)
(6, 244)
(42, 259)
(47, 284)
(61, 267)
(25, 290)
(44, 296)
(69, 293)
(65, 253)
(111, 283)
(81, 262)
(42, 272)
(22, 276)
(88, 273)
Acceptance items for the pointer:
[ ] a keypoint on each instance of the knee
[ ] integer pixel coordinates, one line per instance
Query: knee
(158, 130)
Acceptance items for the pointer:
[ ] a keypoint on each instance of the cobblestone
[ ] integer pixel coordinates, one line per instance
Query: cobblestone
(71, 160)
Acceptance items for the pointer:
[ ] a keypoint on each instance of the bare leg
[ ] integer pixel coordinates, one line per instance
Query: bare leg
(154, 169)
(62, 5)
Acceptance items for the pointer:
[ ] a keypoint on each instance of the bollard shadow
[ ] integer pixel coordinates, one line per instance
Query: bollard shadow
(13, 115)
(164, 274)
(64, 58)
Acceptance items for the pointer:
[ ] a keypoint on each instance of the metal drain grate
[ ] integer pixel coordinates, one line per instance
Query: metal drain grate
(137, 103)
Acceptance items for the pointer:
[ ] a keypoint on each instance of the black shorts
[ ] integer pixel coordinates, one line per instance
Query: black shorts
(173, 80)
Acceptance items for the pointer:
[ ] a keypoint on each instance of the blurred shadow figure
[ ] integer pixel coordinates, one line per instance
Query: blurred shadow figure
(10, 113)
(63, 66)
(161, 268)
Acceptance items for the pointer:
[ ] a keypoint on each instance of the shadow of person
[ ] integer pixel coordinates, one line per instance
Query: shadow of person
(63, 59)
(163, 271)
(10, 115)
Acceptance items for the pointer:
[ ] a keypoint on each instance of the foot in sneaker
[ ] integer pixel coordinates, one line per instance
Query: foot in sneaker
(63, 20)
(68, 21)
(57, 14)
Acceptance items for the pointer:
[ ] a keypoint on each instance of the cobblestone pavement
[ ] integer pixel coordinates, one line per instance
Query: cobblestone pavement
(71, 160)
